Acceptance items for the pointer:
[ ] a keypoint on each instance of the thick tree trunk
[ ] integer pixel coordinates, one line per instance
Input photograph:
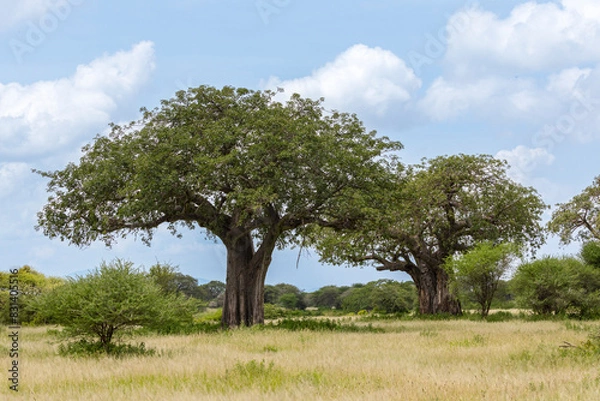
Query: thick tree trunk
(434, 291)
(245, 285)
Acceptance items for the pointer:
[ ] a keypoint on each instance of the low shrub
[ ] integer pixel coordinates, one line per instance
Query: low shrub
(320, 325)
(86, 348)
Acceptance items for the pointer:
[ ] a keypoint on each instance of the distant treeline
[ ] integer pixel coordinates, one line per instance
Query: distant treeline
(567, 286)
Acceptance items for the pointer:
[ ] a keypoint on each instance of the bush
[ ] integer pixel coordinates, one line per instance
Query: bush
(558, 286)
(590, 253)
(320, 325)
(84, 348)
(114, 299)
(30, 285)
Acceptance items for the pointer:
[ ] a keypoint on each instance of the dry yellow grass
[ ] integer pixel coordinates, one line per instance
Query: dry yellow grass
(416, 360)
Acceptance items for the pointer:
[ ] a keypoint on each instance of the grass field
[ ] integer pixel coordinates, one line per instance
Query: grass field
(410, 360)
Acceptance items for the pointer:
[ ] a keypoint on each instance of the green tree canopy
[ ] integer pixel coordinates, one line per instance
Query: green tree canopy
(580, 217)
(434, 210)
(286, 295)
(251, 171)
(327, 297)
(387, 296)
(172, 281)
(212, 290)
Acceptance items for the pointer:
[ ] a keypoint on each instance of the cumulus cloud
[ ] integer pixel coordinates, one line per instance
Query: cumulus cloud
(535, 36)
(568, 100)
(533, 66)
(537, 65)
(492, 98)
(43, 116)
(361, 78)
(523, 161)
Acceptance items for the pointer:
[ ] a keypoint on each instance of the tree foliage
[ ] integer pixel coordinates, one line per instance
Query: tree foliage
(251, 171)
(327, 297)
(174, 282)
(114, 298)
(478, 272)
(433, 210)
(285, 295)
(386, 296)
(558, 286)
(580, 217)
(29, 284)
(590, 253)
(213, 292)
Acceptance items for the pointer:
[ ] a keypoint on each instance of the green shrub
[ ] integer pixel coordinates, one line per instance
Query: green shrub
(84, 348)
(320, 325)
(558, 286)
(500, 316)
(114, 299)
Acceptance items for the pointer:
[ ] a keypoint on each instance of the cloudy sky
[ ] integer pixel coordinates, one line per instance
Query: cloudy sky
(518, 80)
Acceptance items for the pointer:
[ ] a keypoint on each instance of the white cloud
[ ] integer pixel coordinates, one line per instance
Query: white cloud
(359, 79)
(445, 100)
(568, 100)
(523, 161)
(46, 115)
(14, 12)
(534, 37)
(539, 65)
(566, 81)
(491, 97)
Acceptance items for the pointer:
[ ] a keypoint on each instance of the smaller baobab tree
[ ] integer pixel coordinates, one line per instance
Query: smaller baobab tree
(434, 210)
(580, 217)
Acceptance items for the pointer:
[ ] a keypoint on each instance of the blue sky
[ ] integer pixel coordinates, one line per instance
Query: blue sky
(517, 80)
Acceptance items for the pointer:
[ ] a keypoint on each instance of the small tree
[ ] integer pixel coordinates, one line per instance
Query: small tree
(478, 272)
(112, 299)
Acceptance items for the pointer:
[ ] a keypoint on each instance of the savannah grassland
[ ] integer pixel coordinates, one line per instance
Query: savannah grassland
(410, 360)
